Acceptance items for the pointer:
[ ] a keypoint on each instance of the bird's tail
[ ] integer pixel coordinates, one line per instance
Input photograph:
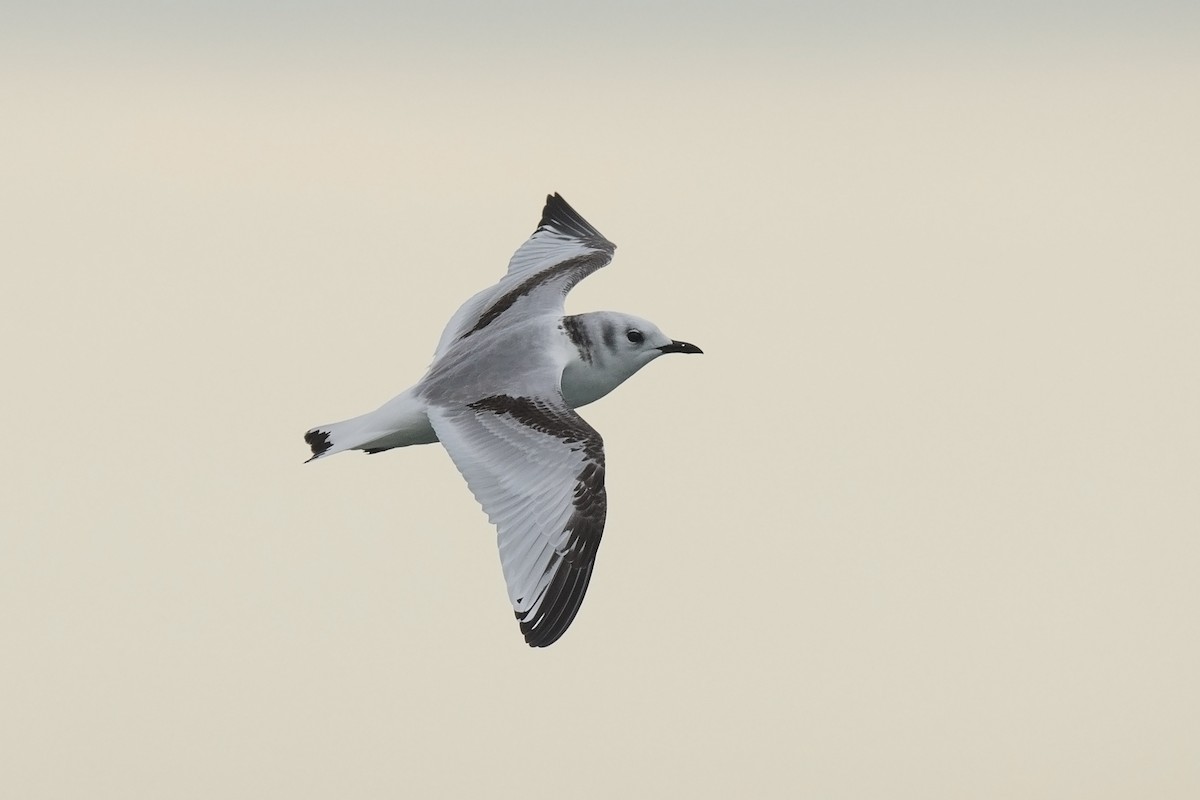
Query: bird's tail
(397, 423)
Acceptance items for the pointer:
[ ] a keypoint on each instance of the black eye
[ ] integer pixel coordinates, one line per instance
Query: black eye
(635, 336)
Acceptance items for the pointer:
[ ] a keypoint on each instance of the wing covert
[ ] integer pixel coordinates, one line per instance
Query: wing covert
(563, 250)
(537, 469)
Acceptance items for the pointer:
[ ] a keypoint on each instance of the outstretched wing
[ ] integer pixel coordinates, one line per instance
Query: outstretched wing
(563, 250)
(537, 468)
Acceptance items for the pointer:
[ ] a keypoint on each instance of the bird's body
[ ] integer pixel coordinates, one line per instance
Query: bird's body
(508, 373)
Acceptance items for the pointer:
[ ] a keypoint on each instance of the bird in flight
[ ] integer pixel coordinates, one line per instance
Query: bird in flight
(500, 395)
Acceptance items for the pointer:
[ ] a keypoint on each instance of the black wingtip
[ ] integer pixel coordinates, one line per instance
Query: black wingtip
(318, 440)
(564, 596)
(558, 214)
(554, 209)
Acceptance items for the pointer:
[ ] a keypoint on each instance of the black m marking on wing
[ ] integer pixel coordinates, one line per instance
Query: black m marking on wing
(562, 424)
(570, 569)
(584, 264)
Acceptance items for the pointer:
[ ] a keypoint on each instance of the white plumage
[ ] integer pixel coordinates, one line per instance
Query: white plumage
(508, 372)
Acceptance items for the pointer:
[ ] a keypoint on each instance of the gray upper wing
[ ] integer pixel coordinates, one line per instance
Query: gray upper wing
(563, 250)
(537, 468)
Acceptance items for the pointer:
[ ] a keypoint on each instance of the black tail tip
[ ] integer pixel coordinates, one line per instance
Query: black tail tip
(318, 440)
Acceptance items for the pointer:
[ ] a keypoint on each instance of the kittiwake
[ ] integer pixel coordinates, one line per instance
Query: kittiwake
(508, 373)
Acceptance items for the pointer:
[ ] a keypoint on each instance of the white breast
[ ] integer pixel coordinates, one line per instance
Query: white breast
(584, 382)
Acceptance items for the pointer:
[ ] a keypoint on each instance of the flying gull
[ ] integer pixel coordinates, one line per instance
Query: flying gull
(500, 395)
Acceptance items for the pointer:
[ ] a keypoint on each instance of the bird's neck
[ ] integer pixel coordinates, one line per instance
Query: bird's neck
(584, 382)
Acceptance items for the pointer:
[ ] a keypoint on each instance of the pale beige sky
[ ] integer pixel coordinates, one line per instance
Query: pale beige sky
(920, 523)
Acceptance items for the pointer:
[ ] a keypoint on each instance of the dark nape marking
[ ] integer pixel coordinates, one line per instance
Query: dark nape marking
(558, 215)
(577, 332)
(318, 441)
(504, 303)
(609, 334)
(571, 569)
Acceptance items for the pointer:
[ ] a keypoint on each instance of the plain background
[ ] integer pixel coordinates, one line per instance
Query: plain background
(922, 522)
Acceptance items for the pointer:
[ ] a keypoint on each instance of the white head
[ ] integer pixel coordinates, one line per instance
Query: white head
(609, 347)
